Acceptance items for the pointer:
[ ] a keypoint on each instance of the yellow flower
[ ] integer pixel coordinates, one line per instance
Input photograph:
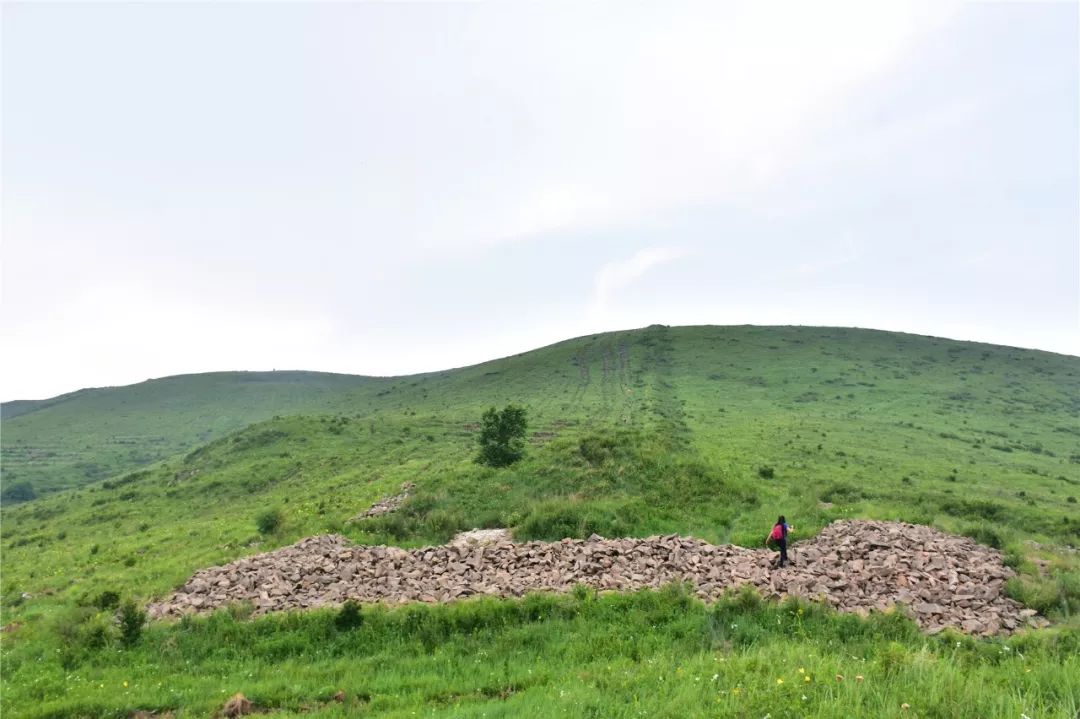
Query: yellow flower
(125, 684)
(802, 671)
(779, 681)
(858, 677)
(806, 678)
(905, 706)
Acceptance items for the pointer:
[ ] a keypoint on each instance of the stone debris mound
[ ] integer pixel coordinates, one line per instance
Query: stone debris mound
(387, 504)
(855, 566)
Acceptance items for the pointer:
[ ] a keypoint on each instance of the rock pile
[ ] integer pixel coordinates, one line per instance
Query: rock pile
(387, 505)
(855, 566)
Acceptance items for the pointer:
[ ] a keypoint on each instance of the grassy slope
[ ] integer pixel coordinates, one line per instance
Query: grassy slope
(654, 431)
(89, 435)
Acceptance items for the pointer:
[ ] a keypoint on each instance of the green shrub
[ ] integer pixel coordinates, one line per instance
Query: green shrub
(18, 492)
(349, 617)
(108, 599)
(269, 521)
(131, 620)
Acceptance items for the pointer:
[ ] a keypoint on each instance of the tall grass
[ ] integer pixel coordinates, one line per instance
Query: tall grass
(645, 654)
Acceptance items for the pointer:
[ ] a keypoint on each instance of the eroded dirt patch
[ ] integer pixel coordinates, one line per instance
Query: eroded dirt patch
(855, 566)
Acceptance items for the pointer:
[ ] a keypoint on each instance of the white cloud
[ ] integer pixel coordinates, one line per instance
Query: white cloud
(616, 276)
(330, 191)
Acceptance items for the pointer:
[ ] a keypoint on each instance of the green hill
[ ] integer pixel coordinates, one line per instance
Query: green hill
(709, 431)
(91, 434)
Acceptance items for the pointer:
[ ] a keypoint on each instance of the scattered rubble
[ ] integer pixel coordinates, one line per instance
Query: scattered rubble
(855, 566)
(387, 505)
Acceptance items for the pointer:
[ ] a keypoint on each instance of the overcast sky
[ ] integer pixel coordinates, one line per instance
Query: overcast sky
(393, 188)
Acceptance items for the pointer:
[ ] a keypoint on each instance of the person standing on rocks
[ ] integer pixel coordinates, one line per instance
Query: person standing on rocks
(778, 538)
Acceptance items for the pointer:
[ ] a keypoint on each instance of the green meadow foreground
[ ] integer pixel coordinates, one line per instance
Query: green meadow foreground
(705, 431)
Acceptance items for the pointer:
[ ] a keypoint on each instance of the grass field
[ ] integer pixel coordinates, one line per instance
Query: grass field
(660, 430)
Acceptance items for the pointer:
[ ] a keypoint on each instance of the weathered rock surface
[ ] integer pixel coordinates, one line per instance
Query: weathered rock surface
(855, 566)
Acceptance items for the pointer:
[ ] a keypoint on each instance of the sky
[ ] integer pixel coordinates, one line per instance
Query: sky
(397, 187)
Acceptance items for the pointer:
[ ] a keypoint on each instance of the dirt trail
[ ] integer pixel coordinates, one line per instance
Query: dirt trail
(855, 566)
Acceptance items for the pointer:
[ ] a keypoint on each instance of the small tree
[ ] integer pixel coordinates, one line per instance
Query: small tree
(502, 436)
(131, 622)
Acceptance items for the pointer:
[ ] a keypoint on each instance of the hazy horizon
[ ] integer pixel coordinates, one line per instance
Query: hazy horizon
(386, 189)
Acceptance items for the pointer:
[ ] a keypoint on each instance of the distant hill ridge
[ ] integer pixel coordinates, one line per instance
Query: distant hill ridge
(92, 434)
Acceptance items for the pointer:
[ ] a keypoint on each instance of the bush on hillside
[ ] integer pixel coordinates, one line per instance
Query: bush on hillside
(131, 619)
(107, 600)
(349, 616)
(269, 521)
(502, 436)
(18, 492)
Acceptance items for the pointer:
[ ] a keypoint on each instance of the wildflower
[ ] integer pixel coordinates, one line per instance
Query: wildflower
(905, 706)
(736, 690)
(779, 681)
(804, 697)
(839, 677)
(715, 677)
(125, 684)
(806, 678)
(858, 677)
(802, 671)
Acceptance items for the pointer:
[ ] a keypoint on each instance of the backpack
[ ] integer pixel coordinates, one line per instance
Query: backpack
(777, 532)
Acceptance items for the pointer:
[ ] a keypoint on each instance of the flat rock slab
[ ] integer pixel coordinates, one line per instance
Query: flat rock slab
(855, 566)
(481, 536)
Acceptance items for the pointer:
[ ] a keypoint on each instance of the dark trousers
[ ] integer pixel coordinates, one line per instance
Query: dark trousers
(782, 545)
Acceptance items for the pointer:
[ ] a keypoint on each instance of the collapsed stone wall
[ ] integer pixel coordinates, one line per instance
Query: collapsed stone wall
(856, 566)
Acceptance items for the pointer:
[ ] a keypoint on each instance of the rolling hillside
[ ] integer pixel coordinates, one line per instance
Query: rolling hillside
(92, 434)
(88, 435)
(703, 431)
